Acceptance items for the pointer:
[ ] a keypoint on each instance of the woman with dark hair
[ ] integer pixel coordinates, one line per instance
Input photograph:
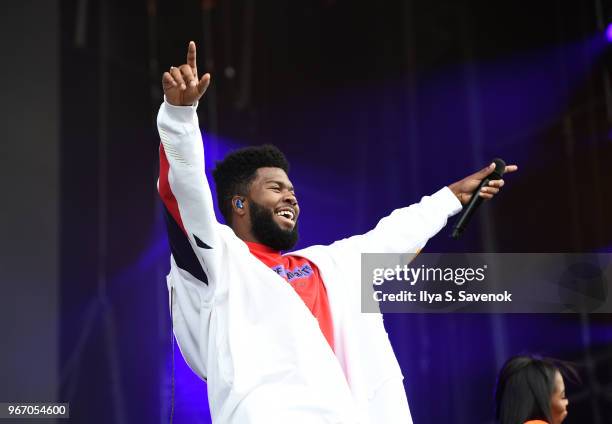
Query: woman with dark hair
(531, 390)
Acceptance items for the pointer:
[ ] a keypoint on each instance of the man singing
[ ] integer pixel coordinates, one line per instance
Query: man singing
(279, 338)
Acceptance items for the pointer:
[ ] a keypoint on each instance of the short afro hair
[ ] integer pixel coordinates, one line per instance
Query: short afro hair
(234, 174)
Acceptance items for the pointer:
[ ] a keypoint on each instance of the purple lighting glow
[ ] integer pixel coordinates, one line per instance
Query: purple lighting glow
(609, 33)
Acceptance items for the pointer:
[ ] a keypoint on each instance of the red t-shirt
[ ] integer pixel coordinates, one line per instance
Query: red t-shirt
(305, 279)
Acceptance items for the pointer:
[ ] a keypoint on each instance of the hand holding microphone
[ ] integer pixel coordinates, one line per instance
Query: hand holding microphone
(473, 189)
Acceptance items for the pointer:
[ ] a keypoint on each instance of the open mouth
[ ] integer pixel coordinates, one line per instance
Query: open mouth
(286, 214)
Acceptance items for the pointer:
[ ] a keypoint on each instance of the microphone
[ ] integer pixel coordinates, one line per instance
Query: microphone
(476, 200)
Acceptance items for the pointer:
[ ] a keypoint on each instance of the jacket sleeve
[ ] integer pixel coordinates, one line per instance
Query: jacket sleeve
(405, 230)
(184, 190)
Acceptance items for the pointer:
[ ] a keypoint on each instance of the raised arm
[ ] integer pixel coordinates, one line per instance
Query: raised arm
(408, 229)
(182, 184)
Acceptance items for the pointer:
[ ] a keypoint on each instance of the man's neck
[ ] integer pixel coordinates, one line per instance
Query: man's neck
(245, 235)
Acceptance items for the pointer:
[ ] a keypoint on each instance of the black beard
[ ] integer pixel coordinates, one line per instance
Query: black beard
(268, 232)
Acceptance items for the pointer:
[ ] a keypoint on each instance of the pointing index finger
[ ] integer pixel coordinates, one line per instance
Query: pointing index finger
(191, 58)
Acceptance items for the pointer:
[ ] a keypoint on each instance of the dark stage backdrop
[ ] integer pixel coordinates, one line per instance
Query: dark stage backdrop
(29, 203)
(375, 104)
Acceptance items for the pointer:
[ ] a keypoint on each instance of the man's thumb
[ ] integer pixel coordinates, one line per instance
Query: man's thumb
(486, 170)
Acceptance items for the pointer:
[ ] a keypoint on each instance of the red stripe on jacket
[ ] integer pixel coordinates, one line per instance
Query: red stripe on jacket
(165, 191)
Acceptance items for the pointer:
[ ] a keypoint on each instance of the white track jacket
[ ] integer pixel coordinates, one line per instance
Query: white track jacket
(241, 327)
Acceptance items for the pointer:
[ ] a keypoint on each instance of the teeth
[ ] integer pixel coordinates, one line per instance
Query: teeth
(286, 214)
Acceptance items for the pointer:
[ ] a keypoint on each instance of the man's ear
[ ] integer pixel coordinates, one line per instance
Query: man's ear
(239, 205)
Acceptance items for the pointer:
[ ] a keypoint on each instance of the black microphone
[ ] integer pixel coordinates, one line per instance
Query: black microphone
(476, 200)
